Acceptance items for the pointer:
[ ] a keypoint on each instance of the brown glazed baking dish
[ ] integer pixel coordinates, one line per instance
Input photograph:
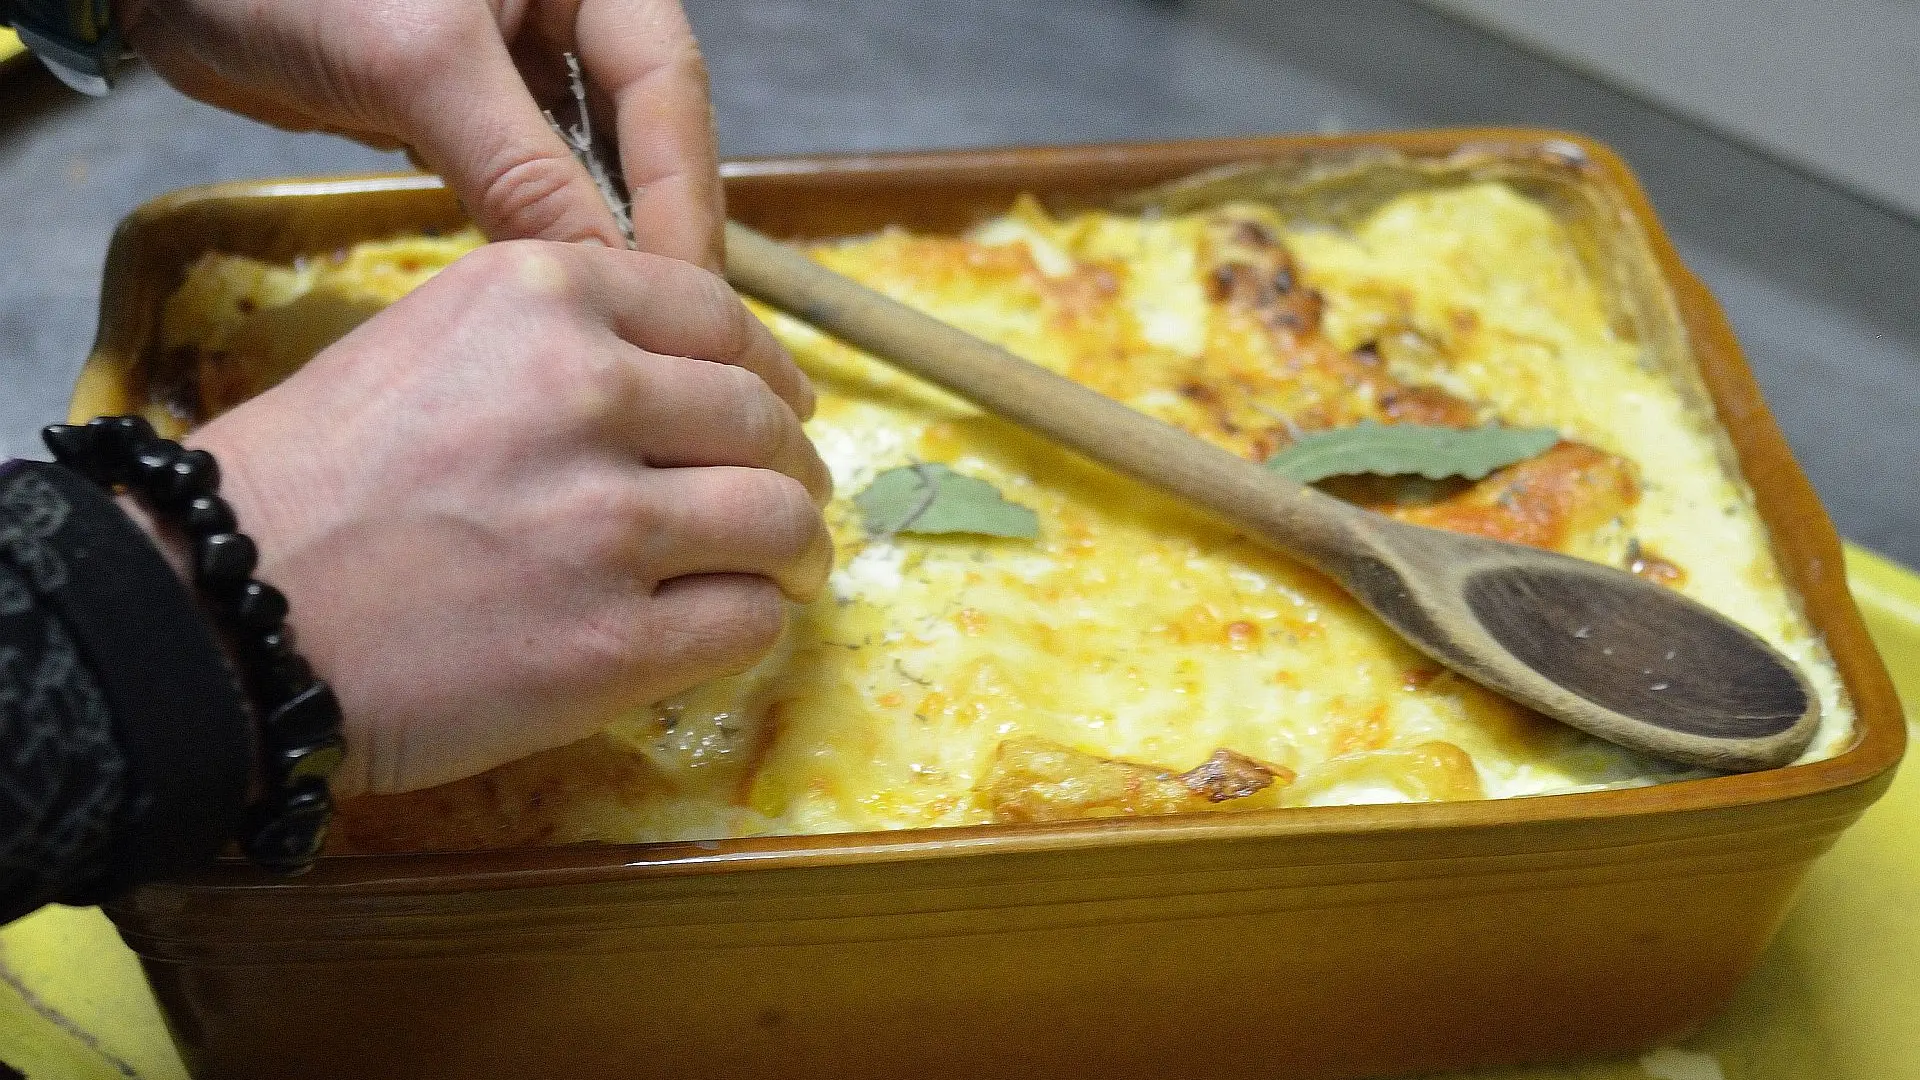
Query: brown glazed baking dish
(1312, 943)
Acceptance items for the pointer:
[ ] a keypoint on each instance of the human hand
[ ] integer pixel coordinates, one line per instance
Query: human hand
(460, 84)
(509, 506)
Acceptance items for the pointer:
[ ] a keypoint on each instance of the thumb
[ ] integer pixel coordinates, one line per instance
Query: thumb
(476, 124)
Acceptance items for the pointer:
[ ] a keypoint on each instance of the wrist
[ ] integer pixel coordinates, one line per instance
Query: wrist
(284, 502)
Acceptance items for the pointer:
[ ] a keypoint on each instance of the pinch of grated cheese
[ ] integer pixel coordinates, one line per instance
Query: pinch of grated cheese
(961, 680)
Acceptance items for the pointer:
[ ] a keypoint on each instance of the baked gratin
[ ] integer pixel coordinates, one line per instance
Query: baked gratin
(1133, 657)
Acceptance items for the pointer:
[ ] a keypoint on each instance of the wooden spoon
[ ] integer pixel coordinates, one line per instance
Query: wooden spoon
(1598, 648)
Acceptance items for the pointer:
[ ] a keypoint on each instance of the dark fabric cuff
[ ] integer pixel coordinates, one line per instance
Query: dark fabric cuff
(178, 711)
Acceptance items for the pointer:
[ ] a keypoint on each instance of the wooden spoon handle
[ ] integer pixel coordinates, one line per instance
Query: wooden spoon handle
(1252, 498)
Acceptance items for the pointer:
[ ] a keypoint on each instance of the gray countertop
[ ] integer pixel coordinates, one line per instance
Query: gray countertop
(1820, 286)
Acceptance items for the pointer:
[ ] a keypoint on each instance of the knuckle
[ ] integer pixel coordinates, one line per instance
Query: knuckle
(394, 53)
(531, 195)
(774, 512)
(612, 514)
(689, 62)
(678, 62)
(522, 268)
(564, 372)
(723, 328)
(587, 381)
(517, 306)
(764, 425)
(787, 515)
(733, 326)
(754, 615)
(605, 644)
(738, 619)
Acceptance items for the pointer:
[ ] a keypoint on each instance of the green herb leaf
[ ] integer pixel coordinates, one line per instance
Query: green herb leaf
(930, 499)
(1400, 449)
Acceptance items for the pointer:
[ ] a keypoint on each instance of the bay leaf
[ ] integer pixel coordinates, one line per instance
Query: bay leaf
(931, 499)
(1407, 449)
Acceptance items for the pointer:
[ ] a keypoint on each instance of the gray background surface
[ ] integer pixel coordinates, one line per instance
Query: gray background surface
(1830, 85)
(1820, 285)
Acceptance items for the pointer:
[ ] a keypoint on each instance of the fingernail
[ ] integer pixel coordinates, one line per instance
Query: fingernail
(812, 399)
(816, 566)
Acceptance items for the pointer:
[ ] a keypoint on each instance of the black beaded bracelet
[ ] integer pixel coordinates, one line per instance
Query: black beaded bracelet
(300, 741)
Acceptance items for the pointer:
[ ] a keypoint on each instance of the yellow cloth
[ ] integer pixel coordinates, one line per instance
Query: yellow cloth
(10, 46)
(1837, 997)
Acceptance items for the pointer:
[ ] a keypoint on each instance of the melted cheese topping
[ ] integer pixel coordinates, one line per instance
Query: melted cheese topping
(1135, 658)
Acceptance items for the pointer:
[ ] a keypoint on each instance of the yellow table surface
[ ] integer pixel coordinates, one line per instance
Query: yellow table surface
(1837, 997)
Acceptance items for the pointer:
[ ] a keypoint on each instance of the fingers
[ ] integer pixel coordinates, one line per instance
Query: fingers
(475, 123)
(696, 413)
(642, 55)
(710, 625)
(736, 521)
(666, 307)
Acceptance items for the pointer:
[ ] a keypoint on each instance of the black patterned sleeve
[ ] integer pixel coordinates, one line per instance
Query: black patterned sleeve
(62, 776)
(125, 747)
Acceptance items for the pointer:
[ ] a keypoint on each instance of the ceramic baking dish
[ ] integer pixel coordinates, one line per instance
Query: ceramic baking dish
(1311, 943)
